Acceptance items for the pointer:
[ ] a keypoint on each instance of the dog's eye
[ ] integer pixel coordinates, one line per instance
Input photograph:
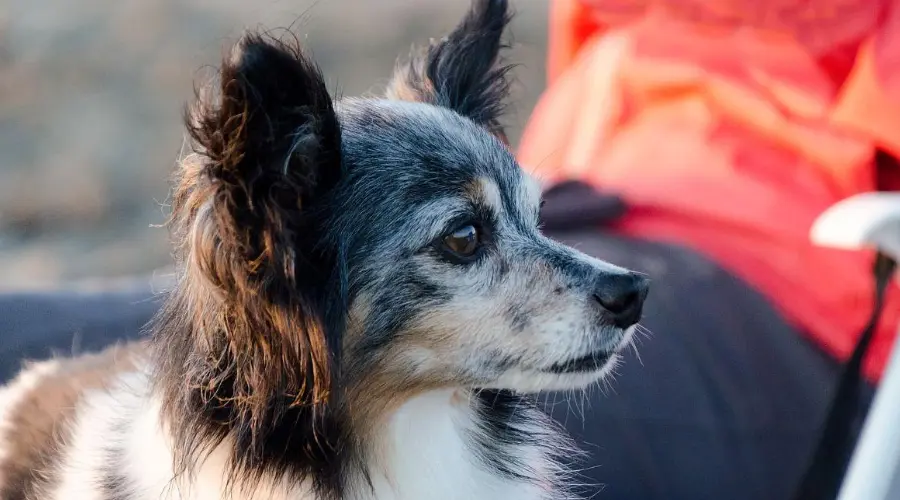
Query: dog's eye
(463, 242)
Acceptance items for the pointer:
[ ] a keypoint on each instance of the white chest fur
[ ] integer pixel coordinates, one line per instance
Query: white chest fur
(426, 450)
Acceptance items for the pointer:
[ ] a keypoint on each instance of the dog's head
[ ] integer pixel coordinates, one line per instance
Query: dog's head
(378, 246)
(450, 280)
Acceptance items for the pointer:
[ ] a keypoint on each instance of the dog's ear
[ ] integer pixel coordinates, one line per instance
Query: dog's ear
(462, 71)
(248, 205)
(271, 125)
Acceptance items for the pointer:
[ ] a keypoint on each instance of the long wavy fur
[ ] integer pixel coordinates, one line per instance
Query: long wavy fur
(243, 344)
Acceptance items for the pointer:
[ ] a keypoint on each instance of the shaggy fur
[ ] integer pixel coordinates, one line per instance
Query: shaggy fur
(329, 335)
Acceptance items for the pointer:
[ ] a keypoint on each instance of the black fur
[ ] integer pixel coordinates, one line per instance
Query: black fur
(464, 71)
(410, 289)
(507, 424)
(504, 426)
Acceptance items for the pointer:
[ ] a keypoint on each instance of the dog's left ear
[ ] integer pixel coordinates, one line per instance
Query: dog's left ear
(247, 208)
(462, 71)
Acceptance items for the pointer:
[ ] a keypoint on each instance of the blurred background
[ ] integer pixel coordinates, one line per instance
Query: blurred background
(770, 111)
(92, 92)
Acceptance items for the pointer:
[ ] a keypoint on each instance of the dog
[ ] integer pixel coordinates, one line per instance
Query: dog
(364, 301)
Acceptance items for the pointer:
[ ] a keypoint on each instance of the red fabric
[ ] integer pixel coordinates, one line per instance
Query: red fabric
(729, 126)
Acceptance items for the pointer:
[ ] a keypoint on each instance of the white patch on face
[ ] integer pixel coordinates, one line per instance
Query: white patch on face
(490, 194)
(527, 197)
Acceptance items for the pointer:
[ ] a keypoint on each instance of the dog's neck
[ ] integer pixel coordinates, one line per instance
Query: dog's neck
(440, 445)
(443, 444)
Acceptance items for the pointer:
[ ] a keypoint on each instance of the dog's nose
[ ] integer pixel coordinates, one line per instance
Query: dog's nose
(622, 296)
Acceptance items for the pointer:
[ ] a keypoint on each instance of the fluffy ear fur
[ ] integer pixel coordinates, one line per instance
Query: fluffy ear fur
(255, 350)
(462, 71)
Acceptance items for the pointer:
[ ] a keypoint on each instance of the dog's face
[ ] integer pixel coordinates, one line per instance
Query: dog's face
(374, 244)
(451, 281)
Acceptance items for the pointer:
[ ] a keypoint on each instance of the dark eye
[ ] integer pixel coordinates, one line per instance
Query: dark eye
(463, 242)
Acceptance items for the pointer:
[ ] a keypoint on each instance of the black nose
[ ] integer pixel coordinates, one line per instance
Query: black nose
(622, 296)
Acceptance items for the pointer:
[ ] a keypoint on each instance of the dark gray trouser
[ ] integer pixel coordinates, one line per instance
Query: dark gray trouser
(36, 325)
(726, 400)
(725, 405)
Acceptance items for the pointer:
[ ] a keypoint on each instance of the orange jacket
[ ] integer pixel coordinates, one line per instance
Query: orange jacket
(728, 126)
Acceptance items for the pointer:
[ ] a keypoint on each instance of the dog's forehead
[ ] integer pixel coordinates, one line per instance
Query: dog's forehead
(420, 152)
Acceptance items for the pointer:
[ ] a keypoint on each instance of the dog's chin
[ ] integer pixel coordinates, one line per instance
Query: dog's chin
(575, 372)
(529, 380)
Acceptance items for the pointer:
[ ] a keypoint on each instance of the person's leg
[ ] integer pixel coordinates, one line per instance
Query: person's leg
(723, 400)
(37, 325)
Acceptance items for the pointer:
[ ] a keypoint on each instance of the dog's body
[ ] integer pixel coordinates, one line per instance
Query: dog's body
(363, 294)
(114, 445)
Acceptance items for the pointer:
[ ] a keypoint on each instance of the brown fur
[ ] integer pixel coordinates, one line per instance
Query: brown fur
(39, 422)
(410, 84)
(368, 401)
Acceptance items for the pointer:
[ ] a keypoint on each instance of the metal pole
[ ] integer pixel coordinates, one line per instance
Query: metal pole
(874, 472)
(871, 220)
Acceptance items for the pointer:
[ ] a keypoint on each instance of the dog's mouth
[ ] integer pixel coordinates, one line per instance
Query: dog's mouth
(591, 362)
